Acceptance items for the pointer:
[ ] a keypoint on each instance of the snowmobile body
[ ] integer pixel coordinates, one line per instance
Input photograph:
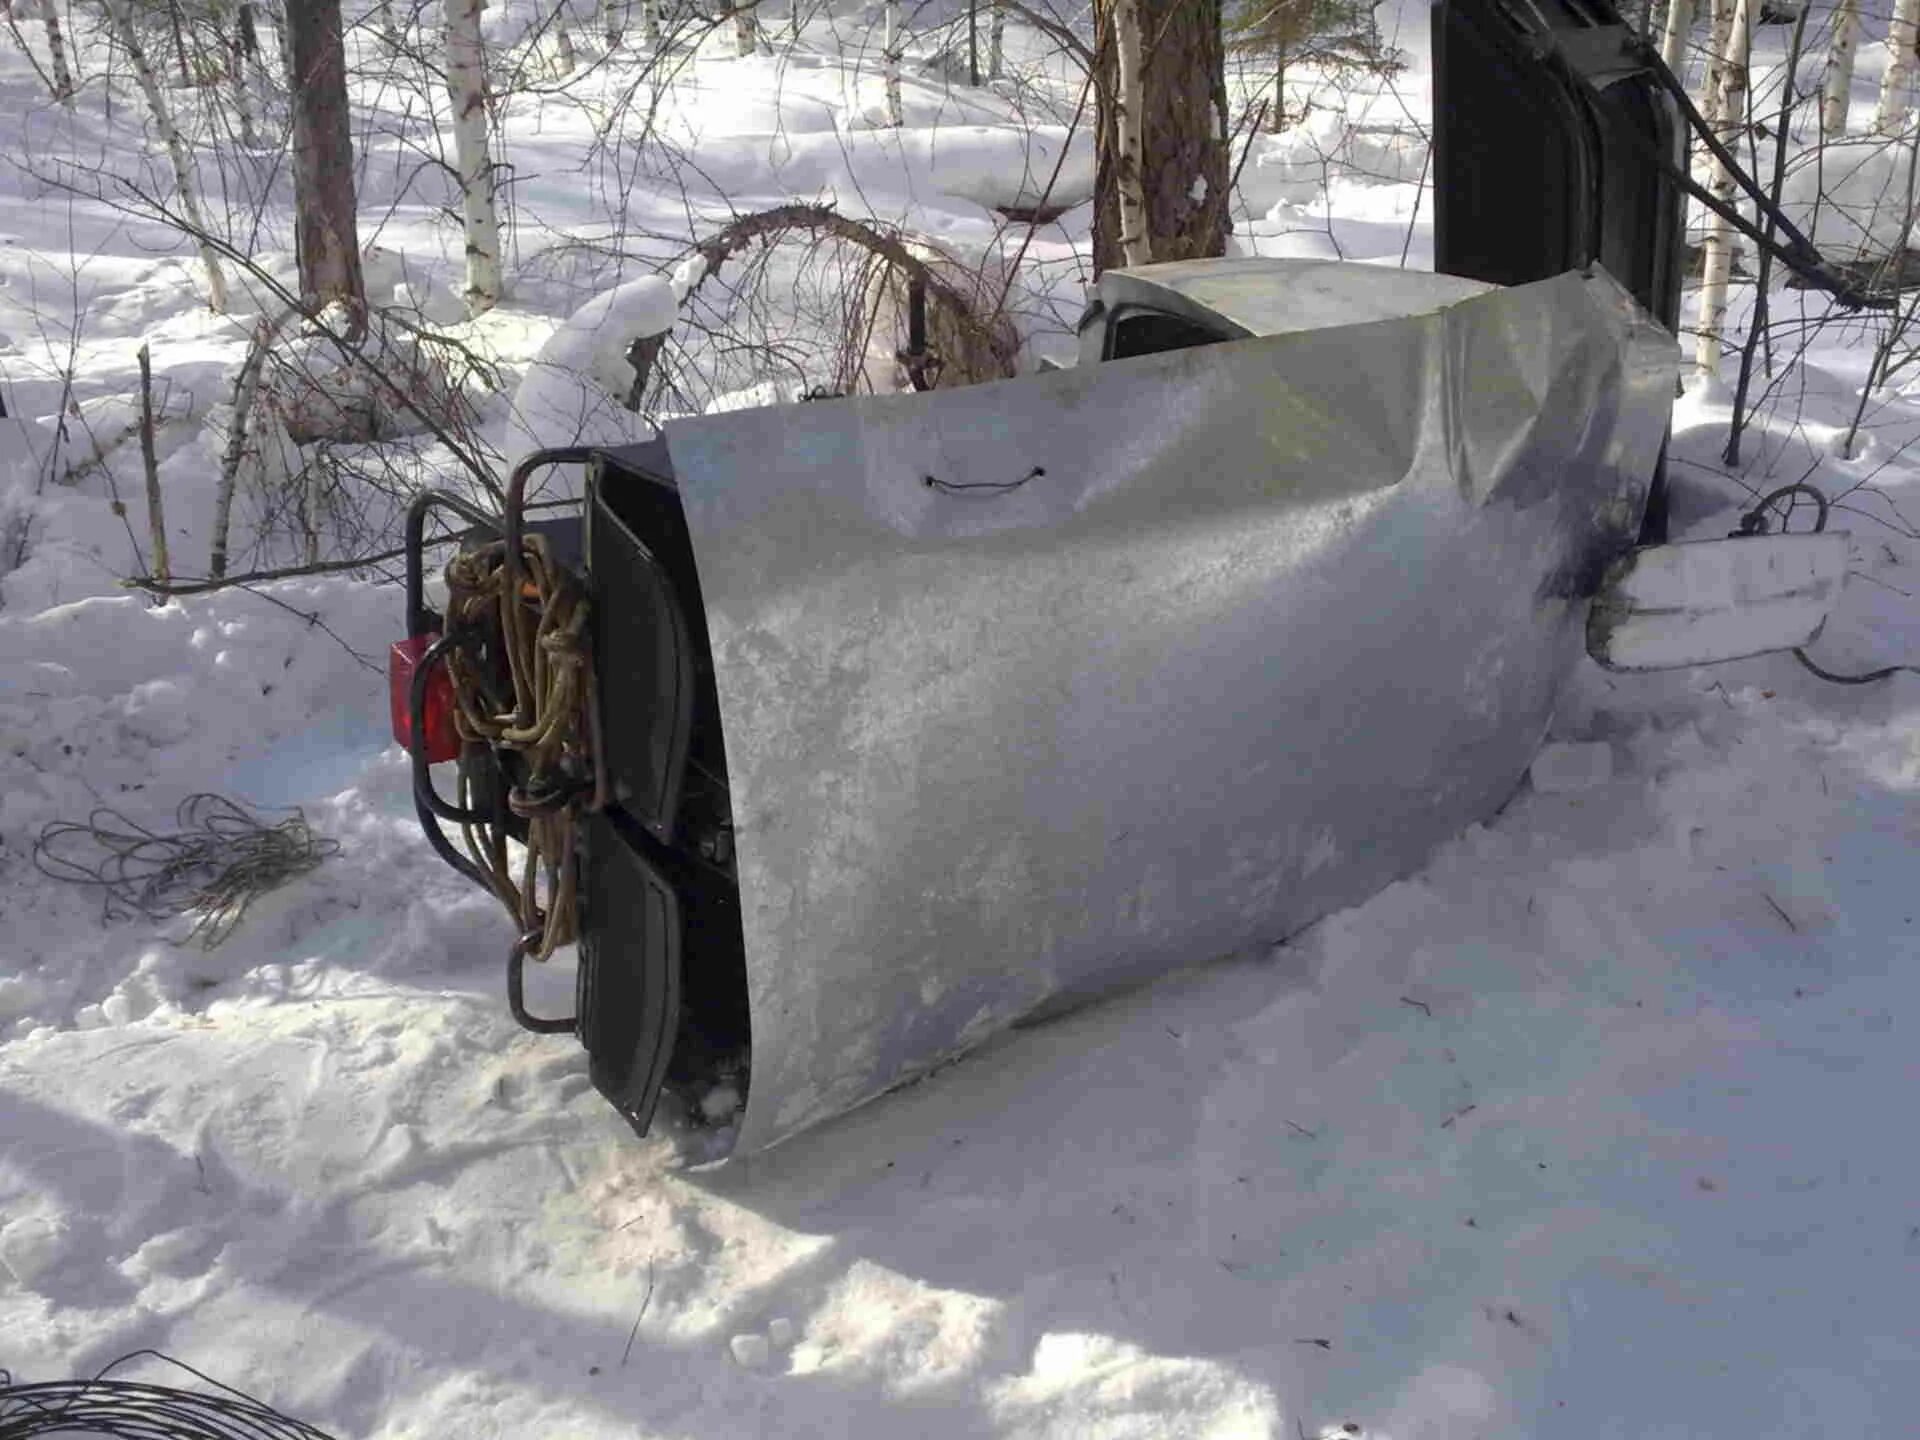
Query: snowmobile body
(924, 714)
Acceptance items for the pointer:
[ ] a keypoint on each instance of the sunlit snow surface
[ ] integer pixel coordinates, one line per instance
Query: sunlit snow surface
(1598, 1127)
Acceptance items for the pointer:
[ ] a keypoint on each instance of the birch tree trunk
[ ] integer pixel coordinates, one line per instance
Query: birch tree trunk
(467, 88)
(1722, 35)
(1277, 121)
(1836, 83)
(246, 385)
(1129, 149)
(57, 52)
(1673, 44)
(1896, 81)
(613, 22)
(185, 190)
(1732, 114)
(650, 23)
(564, 59)
(237, 81)
(390, 35)
(746, 26)
(325, 212)
(996, 42)
(890, 65)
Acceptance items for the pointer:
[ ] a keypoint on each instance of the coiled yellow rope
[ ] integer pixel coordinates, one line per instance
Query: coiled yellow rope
(531, 618)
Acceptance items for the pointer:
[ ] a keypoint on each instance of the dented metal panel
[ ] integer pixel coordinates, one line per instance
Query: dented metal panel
(1037, 687)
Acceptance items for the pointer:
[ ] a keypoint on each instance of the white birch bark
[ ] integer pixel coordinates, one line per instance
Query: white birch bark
(890, 66)
(237, 79)
(996, 42)
(746, 27)
(1129, 149)
(1896, 81)
(1721, 37)
(246, 385)
(564, 60)
(1673, 44)
(613, 22)
(57, 52)
(650, 23)
(185, 189)
(1836, 85)
(1719, 240)
(467, 88)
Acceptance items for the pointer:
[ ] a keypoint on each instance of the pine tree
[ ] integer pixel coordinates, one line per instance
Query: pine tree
(325, 215)
(1340, 35)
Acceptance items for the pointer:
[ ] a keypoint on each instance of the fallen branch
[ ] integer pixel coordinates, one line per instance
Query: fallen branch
(206, 585)
(989, 340)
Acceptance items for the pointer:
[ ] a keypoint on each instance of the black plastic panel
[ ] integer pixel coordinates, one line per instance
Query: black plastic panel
(628, 1000)
(1547, 145)
(1546, 138)
(644, 666)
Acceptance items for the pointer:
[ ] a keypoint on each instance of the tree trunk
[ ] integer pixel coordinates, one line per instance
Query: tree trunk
(746, 26)
(161, 567)
(1722, 35)
(1896, 82)
(564, 59)
(325, 213)
(179, 44)
(467, 87)
(183, 182)
(1277, 121)
(1719, 240)
(650, 23)
(1673, 45)
(57, 52)
(996, 42)
(1129, 146)
(1837, 84)
(237, 79)
(890, 65)
(1160, 190)
(250, 45)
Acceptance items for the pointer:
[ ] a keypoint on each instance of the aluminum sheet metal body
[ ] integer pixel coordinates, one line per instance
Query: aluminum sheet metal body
(1035, 688)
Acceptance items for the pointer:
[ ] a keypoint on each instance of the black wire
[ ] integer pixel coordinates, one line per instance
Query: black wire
(1754, 522)
(1866, 679)
(135, 1410)
(219, 860)
(954, 487)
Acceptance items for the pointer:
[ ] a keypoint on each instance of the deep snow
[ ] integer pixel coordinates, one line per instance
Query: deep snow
(1598, 1126)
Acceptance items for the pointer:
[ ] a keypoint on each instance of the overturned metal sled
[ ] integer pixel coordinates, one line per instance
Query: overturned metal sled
(918, 715)
(1032, 689)
(923, 713)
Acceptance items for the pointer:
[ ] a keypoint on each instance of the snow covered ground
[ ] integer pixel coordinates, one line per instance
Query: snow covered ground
(1600, 1126)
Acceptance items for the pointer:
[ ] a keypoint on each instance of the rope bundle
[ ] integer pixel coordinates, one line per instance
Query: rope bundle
(532, 618)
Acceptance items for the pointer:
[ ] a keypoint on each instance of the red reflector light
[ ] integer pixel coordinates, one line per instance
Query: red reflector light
(442, 739)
